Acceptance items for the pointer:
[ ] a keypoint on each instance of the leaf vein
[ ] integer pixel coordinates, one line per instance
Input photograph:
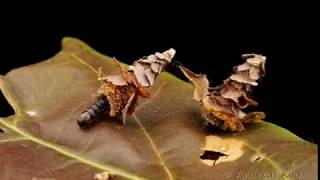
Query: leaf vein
(268, 159)
(13, 139)
(70, 154)
(154, 147)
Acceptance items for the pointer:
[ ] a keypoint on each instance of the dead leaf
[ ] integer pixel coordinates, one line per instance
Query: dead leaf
(199, 81)
(231, 92)
(157, 62)
(116, 80)
(156, 67)
(139, 73)
(243, 77)
(150, 76)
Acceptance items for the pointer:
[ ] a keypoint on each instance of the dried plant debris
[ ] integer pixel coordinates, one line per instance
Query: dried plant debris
(223, 104)
(103, 176)
(121, 91)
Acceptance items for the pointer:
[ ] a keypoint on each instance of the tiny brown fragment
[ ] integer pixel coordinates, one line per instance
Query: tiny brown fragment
(123, 90)
(103, 176)
(200, 82)
(118, 96)
(224, 103)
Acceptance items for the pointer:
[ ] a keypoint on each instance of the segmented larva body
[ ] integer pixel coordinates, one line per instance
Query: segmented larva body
(95, 111)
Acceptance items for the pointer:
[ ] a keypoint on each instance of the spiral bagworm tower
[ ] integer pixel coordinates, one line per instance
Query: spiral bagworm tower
(120, 92)
(222, 105)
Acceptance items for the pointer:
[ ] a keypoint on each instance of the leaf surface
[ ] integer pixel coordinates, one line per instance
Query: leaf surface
(164, 139)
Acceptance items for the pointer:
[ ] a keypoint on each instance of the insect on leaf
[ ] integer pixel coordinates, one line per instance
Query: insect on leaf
(223, 105)
(122, 91)
(163, 139)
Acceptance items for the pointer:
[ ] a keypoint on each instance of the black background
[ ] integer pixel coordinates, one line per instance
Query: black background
(207, 41)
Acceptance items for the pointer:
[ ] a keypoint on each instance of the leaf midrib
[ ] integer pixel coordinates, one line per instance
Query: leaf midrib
(152, 144)
(154, 148)
(27, 136)
(73, 155)
(68, 153)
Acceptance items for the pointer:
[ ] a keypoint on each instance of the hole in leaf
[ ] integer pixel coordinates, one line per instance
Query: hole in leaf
(212, 155)
(220, 150)
(5, 107)
(256, 158)
(1, 130)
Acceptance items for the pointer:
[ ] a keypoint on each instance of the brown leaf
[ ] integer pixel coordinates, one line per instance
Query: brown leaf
(116, 80)
(199, 81)
(128, 76)
(257, 61)
(243, 77)
(231, 92)
(254, 73)
(151, 76)
(156, 67)
(139, 73)
(157, 62)
(150, 59)
(167, 55)
(243, 67)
